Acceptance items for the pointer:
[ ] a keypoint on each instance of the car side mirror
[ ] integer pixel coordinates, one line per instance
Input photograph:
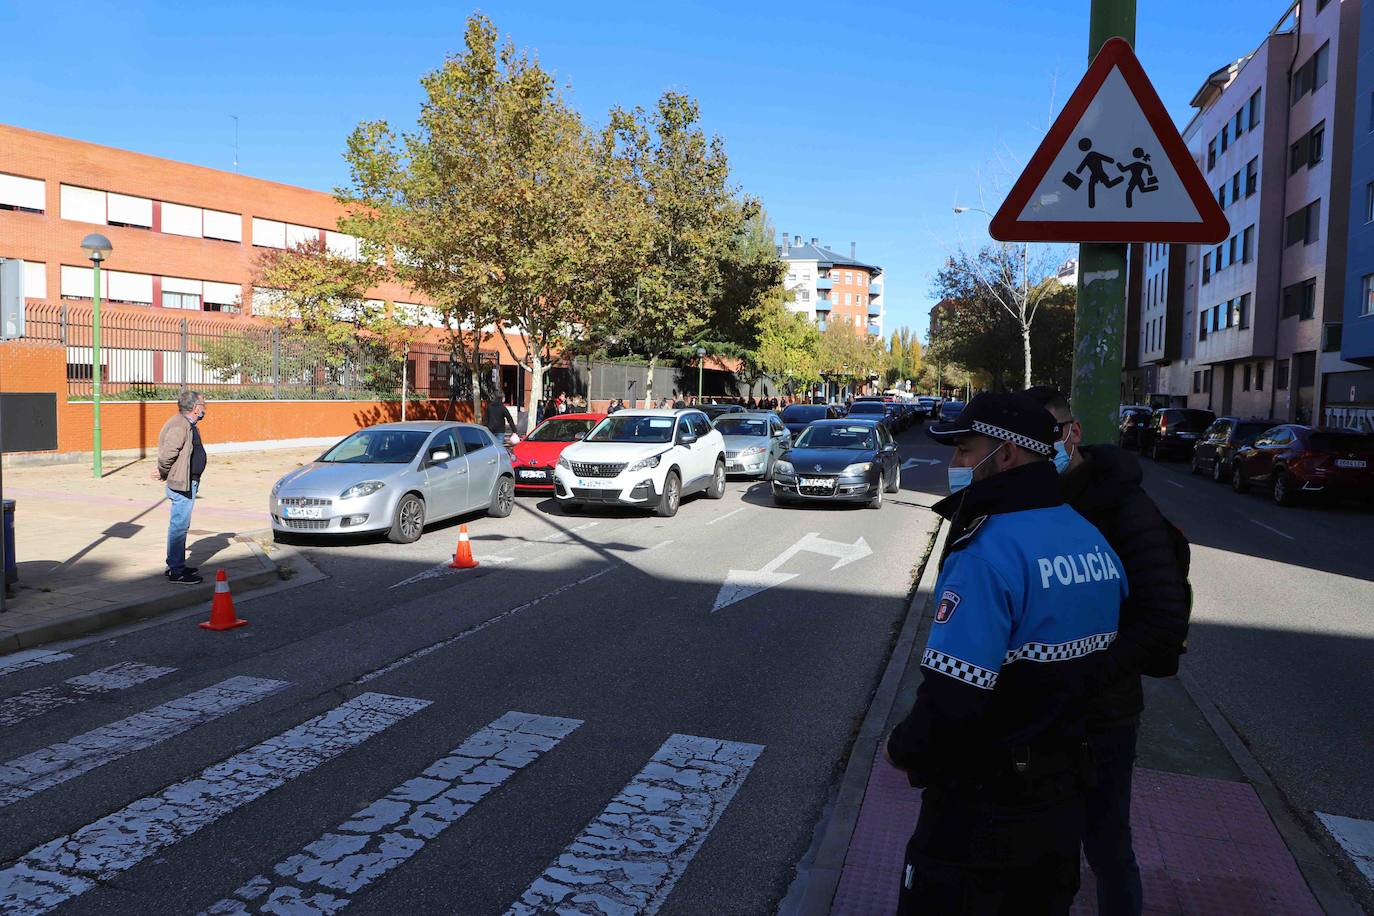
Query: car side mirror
(686, 439)
(439, 455)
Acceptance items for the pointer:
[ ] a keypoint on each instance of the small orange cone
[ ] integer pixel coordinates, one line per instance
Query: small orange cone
(222, 616)
(462, 557)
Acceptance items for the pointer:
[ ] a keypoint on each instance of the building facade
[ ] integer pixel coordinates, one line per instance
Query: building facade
(830, 288)
(1349, 395)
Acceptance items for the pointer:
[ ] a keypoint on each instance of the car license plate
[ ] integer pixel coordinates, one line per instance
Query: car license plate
(532, 475)
(816, 481)
(734, 466)
(303, 512)
(1350, 463)
(595, 484)
(1187, 435)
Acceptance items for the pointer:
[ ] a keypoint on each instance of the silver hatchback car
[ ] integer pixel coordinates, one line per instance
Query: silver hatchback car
(396, 477)
(754, 441)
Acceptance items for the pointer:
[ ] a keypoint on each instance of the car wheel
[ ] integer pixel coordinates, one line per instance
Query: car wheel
(502, 499)
(1218, 471)
(877, 501)
(1285, 494)
(672, 495)
(1192, 466)
(569, 507)
(895, 483)
(1238, 479)
(410, 520)
(717, 488)
(1155, 453)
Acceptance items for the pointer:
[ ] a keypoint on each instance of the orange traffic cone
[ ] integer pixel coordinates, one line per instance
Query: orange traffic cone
(462, 557)
(222, 616)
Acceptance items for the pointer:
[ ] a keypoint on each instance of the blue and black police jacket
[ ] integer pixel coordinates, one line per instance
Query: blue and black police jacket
(1028, 591)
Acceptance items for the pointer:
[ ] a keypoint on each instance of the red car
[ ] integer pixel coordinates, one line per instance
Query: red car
(534, 456)
(1294, 460)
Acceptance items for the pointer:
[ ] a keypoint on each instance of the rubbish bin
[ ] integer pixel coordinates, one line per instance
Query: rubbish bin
(11, 568)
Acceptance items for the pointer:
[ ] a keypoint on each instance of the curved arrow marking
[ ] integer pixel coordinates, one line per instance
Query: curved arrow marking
(745, 583)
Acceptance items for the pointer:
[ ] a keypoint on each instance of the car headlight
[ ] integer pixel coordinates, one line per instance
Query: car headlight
(276, 488)
(366, 488)
(863, 467)
(564, 463)
(752, 450)
(650, 462)
(784, 467)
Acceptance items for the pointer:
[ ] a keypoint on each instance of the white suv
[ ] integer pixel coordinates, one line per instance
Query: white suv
(648, 458)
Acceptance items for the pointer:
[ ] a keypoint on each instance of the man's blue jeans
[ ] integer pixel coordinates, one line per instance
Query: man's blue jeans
(1107, 840)
(182, 503)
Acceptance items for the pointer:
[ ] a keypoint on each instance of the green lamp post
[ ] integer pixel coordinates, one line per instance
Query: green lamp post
(97, 248)
(701, 363)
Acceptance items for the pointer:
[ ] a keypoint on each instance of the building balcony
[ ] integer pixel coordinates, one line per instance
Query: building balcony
(874, 289)
(823, 305)
(820, 325)
(874, 310)
(824, 283)
(874, 330)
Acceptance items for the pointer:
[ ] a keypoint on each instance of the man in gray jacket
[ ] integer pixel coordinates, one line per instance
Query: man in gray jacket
(180, 462)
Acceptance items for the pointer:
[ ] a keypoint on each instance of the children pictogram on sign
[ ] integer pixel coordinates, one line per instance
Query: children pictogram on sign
(1096, 164)
(1142, 175)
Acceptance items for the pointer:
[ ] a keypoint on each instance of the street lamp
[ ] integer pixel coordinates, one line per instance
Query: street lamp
(97, 248)
(701, 363)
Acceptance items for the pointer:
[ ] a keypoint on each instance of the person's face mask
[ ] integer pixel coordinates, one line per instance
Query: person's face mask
(959, 478)
(1062, 456)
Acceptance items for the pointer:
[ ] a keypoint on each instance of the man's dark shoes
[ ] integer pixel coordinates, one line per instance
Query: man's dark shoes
(189, 569)
(186, 577)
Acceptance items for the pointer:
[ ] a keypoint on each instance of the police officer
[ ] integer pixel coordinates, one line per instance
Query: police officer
(1028, 592)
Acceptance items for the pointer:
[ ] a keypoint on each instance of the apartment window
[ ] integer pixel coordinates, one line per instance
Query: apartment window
(1247, 245)
(1369, 202)
(1304, 225)
(1322, 4)
(1331, 337)
(1371, 111)
(1206, 268)
(1255, 110)
(1202, 326)
(1225, 136)
(1239, 124)
(1229, 317)
(1197, 383)
(130, 212)
(25, 195)
(1252, 176)
(1221, 263)
(1320, 60)
(1235, 187)
(1259, 376)
(1281, 375)
(1218, 318)
(1206, 381)
(1231, 253)
(181, 301)
(806, 295)
(1212, 146)
(84, 205)
(1221, 197)
(1243, 312)
(1245, 378)
(1316, 140)
(1367, 295)
(1300, 300)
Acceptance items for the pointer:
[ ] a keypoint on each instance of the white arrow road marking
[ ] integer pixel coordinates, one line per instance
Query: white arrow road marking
(70, 865)
(1356, 838)
(915, 462)
(326, 875)
(743, 583)
(57, 763)
(630, 857)
(75, 689)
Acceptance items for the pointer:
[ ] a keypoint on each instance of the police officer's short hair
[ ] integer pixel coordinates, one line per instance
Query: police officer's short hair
(1051, 398)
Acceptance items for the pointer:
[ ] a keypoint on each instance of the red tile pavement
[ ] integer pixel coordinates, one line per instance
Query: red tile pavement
(1205, 846)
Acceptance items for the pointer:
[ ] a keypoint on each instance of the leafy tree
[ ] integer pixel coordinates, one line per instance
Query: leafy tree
(788, 346)
(847, 354)
(904, 356)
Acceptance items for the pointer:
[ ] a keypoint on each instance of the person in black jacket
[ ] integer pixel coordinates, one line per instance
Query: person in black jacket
(1102, 482)
(497, 419)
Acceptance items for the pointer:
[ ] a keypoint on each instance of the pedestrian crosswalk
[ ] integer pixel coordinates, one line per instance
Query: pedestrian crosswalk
(626, 860)
(75, 689)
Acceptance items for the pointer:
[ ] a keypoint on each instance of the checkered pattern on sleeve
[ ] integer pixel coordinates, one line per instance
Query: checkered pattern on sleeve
(959, 669)
(997, 432)
(1060, 652)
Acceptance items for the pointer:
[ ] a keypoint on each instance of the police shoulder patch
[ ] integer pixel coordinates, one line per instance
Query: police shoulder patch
(949, 601)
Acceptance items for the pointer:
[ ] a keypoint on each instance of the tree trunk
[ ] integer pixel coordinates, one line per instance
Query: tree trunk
(1026, 348)
(649, 383)
(475, 372)
(536, 391)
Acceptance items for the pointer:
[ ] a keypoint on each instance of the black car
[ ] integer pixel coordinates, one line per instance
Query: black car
(1174, 431)
(873, 410)
(1133, 420)
(1221, 441)
(715, 411)
(796, 417)
(845, 460)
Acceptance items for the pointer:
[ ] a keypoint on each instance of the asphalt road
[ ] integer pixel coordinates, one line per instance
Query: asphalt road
(578, 712)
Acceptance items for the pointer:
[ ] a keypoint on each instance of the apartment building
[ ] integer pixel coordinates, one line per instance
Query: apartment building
(828, 287)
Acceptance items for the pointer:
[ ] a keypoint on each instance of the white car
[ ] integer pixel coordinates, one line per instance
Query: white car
(648, 458)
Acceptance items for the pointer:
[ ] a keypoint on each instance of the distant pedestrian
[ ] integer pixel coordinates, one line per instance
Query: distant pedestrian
(614, 406)
(496, 418)
(1102, 483)
(181, 461)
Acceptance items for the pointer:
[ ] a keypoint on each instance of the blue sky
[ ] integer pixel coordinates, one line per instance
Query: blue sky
(862, 122)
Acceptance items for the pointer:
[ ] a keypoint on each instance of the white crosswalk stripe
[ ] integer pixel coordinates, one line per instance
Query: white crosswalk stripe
(40, 700)
(53, 765)
(326, 874)
(30, 658)
(629, 858)
(70, 865)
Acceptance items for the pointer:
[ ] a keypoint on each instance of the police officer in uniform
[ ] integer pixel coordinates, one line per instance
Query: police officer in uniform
(1028, 593)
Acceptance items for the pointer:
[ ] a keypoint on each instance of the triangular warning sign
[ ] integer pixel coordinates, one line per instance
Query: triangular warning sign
(1112, 169)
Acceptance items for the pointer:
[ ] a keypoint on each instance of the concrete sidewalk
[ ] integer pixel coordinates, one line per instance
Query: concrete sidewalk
(92, 552)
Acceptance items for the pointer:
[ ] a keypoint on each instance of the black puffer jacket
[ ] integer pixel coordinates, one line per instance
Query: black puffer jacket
(1105, 489)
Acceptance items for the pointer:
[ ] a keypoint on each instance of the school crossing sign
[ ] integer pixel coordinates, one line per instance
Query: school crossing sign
(1112, 169)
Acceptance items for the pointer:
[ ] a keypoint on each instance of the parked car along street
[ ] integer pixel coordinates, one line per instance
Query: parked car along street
(796, 417)
(849, 460)
(1220, 442)
(873, 409)
(713, 411)
(535, 456)
(754, 440)
(1133, 421)
(1173, 431)
(396, 477)
(645, 458)
(1295, 461)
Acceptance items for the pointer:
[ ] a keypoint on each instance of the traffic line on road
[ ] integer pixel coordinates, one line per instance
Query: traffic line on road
(444, 569)
(721, 518)
(477, 628)
(1177, 484)
(70, 865)
(40, 700)
(30, 658)
(629, 858)
(58, 763)
(1356, 838)
(325, 875)
(1273, 529)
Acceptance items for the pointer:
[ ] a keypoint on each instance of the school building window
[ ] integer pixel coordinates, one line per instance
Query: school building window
(1245, 378)
(1255, 110)
(1281, 375)
(1212, 147)
(1303, 225)
(1243, 311)
(1206, 268)
(1367, 295)
(1259, 376)
(1252, 176)
(1235, 187)
(1197, 383)
(1247, 247)
(1369, 202)
(1300, 300)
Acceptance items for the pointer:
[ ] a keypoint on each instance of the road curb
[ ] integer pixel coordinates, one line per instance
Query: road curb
(1316, 867)
(270, 571)
(818, 875)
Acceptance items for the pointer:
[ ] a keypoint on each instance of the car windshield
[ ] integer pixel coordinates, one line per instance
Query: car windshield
(621, 428)
(953, 406)
(799, 412)
(1341, 442)
(560, 430)
(742, 426)
(377, 446)
(715, 410)
(1251, 430)
(1190, 417)
(868, 407)
(847, 437)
